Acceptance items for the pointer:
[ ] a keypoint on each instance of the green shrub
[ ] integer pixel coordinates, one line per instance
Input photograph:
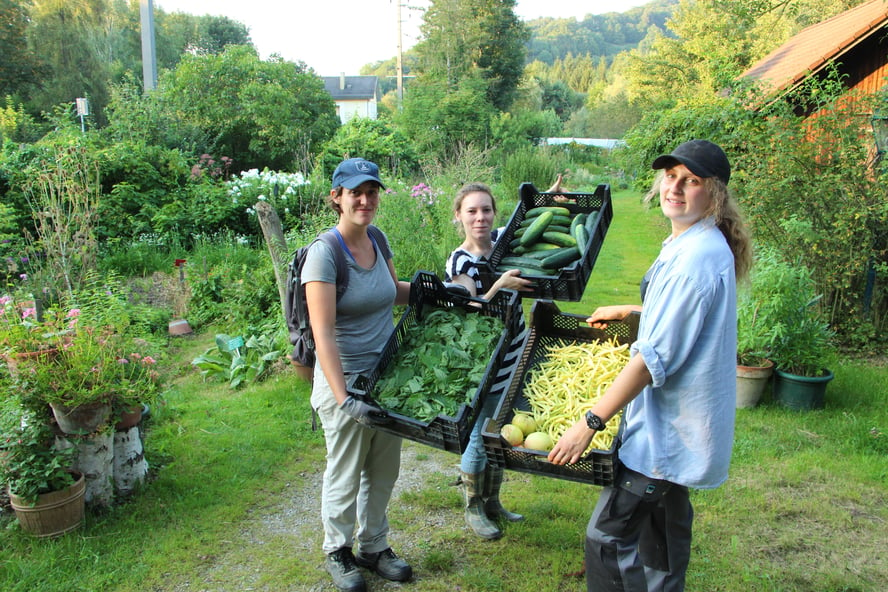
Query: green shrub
(239, 361)
(232, 284)
(531, 165)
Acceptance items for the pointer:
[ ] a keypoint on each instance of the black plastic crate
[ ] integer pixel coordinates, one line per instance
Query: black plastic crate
(570, 283)
(550, 327)
(444, 432)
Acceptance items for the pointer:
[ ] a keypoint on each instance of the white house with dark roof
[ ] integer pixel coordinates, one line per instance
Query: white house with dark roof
(355, 96)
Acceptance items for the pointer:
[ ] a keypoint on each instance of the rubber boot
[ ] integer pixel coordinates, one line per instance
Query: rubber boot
(493, 480)
(473, 487)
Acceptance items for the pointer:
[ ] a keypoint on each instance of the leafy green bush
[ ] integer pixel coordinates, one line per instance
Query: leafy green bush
(406, 213)
(531, 165)
(239, 361)
(790, 328)
(231, 284)
(138, 257)
(375, 140)
(138, 180)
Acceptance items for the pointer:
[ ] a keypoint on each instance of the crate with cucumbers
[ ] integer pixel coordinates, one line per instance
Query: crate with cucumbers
(554, 239)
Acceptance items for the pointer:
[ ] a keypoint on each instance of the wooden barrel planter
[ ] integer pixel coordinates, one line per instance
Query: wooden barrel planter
(55, 513)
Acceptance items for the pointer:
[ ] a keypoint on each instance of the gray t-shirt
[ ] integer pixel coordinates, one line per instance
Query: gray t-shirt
(364, 320)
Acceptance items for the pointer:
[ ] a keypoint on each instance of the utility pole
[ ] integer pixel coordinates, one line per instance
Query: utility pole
(400, 58)
(149, 55)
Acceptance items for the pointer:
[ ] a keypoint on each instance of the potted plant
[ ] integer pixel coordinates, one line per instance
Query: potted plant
(790, 326)
(754, 369)
(138, 385)
(47, 497)
(23, 334)
(77, 382)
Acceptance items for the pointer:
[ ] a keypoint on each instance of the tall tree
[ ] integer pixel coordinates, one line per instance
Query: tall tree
(710, 42)
(68, 38)
(474, 37)
(18, 67)
(269, 113)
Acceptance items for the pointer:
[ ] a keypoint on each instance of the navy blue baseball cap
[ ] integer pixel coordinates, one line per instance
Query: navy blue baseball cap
(702, 157)
(354, 171)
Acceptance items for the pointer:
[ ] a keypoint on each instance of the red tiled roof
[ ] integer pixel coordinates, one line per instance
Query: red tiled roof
(815, 46)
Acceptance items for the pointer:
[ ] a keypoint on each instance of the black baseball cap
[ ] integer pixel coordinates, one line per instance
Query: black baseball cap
(702, 157)
(354, 171)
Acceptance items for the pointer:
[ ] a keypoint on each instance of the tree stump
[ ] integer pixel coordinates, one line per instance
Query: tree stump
(95, 454)
(130, 466)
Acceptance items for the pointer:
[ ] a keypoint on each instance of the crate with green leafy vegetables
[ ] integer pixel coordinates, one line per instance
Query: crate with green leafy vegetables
(440, 363)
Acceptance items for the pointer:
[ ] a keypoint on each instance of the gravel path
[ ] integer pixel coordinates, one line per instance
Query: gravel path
(293, 530)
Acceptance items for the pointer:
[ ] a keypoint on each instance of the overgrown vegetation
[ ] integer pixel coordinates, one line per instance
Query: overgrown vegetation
(174, 175)
(232, 500)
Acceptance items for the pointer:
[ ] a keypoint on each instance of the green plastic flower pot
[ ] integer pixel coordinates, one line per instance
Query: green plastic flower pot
(801, 393)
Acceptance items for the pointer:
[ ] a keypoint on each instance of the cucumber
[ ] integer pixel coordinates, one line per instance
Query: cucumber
(518, 261)
(547, 253)
(536, 228)
(561, 259)
(559, 238)
(578, 220)
(533, 212)
(591, 221)
(562, 221)
(550, 228)
(582, 238)
(541, 246)
(557, 228)
(529, 272)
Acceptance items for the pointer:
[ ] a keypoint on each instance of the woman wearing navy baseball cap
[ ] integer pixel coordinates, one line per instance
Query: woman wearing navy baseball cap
(349, 333)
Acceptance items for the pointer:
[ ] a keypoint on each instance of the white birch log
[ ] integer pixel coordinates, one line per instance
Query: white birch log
(95, 454)
(130, 466)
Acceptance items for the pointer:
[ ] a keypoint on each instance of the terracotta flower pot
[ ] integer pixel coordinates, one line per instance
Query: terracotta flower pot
(129, 417)
(751, 383)
(15, 359)
(82, 419)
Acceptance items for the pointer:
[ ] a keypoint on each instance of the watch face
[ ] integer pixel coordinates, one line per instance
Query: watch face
(593, 421)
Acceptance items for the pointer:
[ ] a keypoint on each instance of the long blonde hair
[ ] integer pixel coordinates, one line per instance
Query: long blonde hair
(728, 217)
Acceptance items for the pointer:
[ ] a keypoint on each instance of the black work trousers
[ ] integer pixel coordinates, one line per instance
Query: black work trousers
(639, 536)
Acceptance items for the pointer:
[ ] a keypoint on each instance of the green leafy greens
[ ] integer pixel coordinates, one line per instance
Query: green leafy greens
(440, 363)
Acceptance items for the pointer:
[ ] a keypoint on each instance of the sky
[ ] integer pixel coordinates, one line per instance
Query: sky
(340, 36)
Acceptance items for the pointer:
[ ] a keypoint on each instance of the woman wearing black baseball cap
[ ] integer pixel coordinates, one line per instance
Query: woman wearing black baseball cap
(678, 389)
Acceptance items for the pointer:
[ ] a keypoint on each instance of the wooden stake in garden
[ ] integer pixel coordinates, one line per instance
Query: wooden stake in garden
(273, 231)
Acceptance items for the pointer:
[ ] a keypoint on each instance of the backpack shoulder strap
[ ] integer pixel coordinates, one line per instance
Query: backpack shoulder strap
(379, 238)
(339, 259)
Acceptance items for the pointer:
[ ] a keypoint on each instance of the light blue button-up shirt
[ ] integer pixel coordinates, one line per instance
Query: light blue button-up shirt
(681, 427)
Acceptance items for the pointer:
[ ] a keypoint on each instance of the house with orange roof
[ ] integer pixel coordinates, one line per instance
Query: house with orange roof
(855, 42)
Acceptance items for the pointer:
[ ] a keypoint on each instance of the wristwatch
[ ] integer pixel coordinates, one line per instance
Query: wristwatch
(594, 422)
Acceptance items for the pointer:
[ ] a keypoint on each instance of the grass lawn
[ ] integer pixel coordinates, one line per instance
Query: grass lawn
(232, 502)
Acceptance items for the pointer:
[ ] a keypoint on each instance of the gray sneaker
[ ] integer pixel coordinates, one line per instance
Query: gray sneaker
(386, 564)
(342, 568)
